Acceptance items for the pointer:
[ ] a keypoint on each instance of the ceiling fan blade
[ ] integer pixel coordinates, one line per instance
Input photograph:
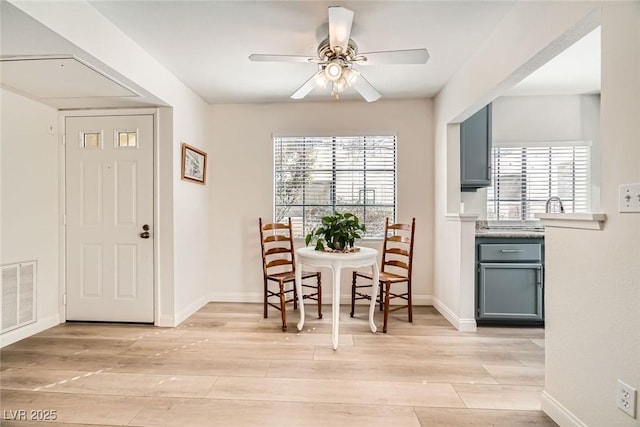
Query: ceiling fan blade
(258, 57)
(340, 20)
(307, 87)
(364, 88)
(409, 56)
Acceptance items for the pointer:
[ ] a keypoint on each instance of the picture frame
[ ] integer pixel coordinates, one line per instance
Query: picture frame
(194, 164)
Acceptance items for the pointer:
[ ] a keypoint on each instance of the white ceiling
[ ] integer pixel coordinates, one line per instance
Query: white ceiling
(74, 78)
(206, 44)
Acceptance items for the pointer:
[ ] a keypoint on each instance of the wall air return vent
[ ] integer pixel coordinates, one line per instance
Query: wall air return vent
(18, 296)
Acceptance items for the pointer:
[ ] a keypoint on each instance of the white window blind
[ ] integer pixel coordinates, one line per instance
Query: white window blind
(315, 176)
(523, 178)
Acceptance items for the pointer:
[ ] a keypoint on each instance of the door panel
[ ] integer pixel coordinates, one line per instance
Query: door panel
(125, 208)
(109, 199)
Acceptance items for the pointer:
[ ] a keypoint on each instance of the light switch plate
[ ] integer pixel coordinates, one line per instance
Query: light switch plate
(629, 198)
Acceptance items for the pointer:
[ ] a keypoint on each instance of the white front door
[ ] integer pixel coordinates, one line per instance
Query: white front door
(109, 214)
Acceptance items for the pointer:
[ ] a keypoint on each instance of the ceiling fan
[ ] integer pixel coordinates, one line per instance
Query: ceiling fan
(336, 56)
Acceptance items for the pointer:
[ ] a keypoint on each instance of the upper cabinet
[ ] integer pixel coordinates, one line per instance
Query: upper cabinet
(475, 151)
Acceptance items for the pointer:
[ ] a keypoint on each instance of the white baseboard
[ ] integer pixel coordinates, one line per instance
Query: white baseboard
(166, 322)
(29, 330)
(461, 324)
(559, 413)
(237, 297)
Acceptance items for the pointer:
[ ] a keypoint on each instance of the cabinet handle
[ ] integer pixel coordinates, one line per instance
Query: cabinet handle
(511, 251)
(539, 276)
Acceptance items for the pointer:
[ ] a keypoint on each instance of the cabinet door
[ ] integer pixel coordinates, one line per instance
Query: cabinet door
(510, 291)
(475, 150)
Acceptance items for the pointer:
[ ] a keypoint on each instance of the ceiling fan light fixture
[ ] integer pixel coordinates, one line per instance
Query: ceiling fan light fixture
(322, 80)
(350, 75)
(333, 70)
(340, 85)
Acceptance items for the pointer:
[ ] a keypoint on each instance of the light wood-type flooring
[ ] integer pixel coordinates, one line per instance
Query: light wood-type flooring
(227, 366)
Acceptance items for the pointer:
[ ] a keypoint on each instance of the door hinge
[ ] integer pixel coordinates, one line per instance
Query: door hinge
(64, 139)
(64, 299)
(64, 218)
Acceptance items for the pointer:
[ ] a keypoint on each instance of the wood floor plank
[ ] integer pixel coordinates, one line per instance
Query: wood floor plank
(517, 375)
(336, 391)
(483, 396)
(91, 409)
(375, 371)
(409, 355)
(239, 413)
(482, 418)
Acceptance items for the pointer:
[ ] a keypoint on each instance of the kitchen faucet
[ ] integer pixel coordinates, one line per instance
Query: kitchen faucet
(554, 198)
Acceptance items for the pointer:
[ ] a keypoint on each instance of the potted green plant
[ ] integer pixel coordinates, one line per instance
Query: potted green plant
(337, 233)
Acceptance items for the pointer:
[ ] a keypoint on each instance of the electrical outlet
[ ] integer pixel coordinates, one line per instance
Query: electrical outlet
(627, 398)
(629, 199)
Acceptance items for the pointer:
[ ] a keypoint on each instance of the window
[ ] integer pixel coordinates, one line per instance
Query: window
(91, 139)
(315, 176)
(523, 178)
(126, 139)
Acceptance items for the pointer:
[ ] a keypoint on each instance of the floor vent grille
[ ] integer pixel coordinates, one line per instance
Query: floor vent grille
(18, 296)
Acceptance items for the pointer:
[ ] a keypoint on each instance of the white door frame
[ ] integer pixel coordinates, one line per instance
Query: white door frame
(62, 199)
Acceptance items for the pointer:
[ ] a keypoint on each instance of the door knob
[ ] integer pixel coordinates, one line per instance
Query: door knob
(145, 234)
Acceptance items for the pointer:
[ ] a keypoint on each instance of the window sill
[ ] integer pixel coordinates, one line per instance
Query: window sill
(586, 221)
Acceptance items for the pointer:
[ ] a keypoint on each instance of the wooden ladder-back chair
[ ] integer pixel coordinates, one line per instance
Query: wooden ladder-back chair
(397, 260)
(278, 266)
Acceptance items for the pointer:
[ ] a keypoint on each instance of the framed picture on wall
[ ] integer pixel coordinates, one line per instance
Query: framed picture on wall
(194, 164)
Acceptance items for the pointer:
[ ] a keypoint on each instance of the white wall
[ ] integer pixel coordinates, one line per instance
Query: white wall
(593, 277)
(30, 216)
(242, 181)
(537, 118)
(183, 219)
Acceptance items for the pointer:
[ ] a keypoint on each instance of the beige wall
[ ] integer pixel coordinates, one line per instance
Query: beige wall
(241, 180)
(30, 215)
(593, 277)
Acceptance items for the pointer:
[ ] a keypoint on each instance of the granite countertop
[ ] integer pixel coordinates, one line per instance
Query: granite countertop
(515, 233)
(483, 230)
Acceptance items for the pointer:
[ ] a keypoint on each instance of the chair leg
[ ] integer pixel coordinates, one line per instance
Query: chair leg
(265, 298)
(410, 308)
(381, 293)
(283, 310)
(319, 296)
(387, 294)
(353, 294)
